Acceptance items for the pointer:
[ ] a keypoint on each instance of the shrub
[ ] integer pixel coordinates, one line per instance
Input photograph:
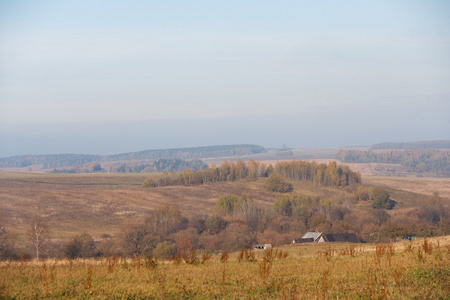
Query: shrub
(215, 224)
(277, 183)
(165, 250)
(226, 204)
(80, 246)
(380, 198)
(148, 183)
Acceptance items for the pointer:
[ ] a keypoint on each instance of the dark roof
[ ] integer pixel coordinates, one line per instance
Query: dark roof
(341, 237)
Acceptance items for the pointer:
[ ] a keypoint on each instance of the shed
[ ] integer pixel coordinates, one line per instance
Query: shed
(262, 246)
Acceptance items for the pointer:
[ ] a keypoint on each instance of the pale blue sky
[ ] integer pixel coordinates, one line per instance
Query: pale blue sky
(78, 75)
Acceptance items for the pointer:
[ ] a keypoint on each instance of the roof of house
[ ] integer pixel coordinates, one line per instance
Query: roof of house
(312, 235)
(341, 237)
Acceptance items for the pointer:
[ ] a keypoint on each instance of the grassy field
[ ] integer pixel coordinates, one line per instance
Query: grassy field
(99, 203)
(410, 270)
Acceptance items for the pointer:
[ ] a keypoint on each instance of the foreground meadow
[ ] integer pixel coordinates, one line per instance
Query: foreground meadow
(419, 269)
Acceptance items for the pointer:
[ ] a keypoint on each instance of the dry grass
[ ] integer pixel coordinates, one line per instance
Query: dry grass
(426, 186)
(418, 270)
(99, 203)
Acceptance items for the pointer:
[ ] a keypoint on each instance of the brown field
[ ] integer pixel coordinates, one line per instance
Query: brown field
(99, 203)
(426, 186)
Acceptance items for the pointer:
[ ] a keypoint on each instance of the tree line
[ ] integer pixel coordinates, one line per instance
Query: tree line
(428, 161)
(48, 161)
(190, 153)
(160, 165)
(321, 174)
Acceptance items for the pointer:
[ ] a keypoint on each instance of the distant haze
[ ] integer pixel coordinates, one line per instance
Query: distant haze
(104, 77)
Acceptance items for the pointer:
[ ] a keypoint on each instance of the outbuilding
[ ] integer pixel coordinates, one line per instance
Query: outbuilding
(262, 246)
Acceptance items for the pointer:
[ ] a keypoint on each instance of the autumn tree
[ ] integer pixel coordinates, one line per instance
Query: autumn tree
(227, 204)
(165, 250)
(276, 183)
(363, 193)
(185, 248)
(256, 218)
(380, 198)
(166, 219)
(215, 224)
(283, 206)
(81, 245)
(6, 246)
(149, 183)
(38, 233)
(136, 238)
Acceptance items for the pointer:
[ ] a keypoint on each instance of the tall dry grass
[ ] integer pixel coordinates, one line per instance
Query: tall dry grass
(417, 269)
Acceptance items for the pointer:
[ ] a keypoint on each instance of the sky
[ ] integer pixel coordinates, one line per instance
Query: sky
(105, 77)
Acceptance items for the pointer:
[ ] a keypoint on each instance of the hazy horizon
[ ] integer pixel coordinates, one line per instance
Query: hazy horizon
(106, 77)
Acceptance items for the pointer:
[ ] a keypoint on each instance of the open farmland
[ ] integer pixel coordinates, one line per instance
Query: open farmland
(418, 270)
(426, 186)
(99, 203)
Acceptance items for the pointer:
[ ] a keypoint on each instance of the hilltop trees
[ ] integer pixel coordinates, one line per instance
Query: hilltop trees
(325, 175)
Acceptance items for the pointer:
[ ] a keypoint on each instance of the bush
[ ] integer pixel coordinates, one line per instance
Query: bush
(380, 198)
(277, 183)
(226, 204)
(215, 224)
(165, 250)
(80, 246)
(148, 183)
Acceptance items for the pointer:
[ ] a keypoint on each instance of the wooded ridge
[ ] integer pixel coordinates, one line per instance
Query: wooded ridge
(50, 161)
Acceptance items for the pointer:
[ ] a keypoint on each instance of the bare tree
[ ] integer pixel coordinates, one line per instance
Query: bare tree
(38, 234)
(136, 238)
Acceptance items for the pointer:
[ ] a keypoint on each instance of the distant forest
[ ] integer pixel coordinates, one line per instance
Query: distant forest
(67, 160)
(190, 153)
(160, 165)
(427, 161)
(413, 145)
